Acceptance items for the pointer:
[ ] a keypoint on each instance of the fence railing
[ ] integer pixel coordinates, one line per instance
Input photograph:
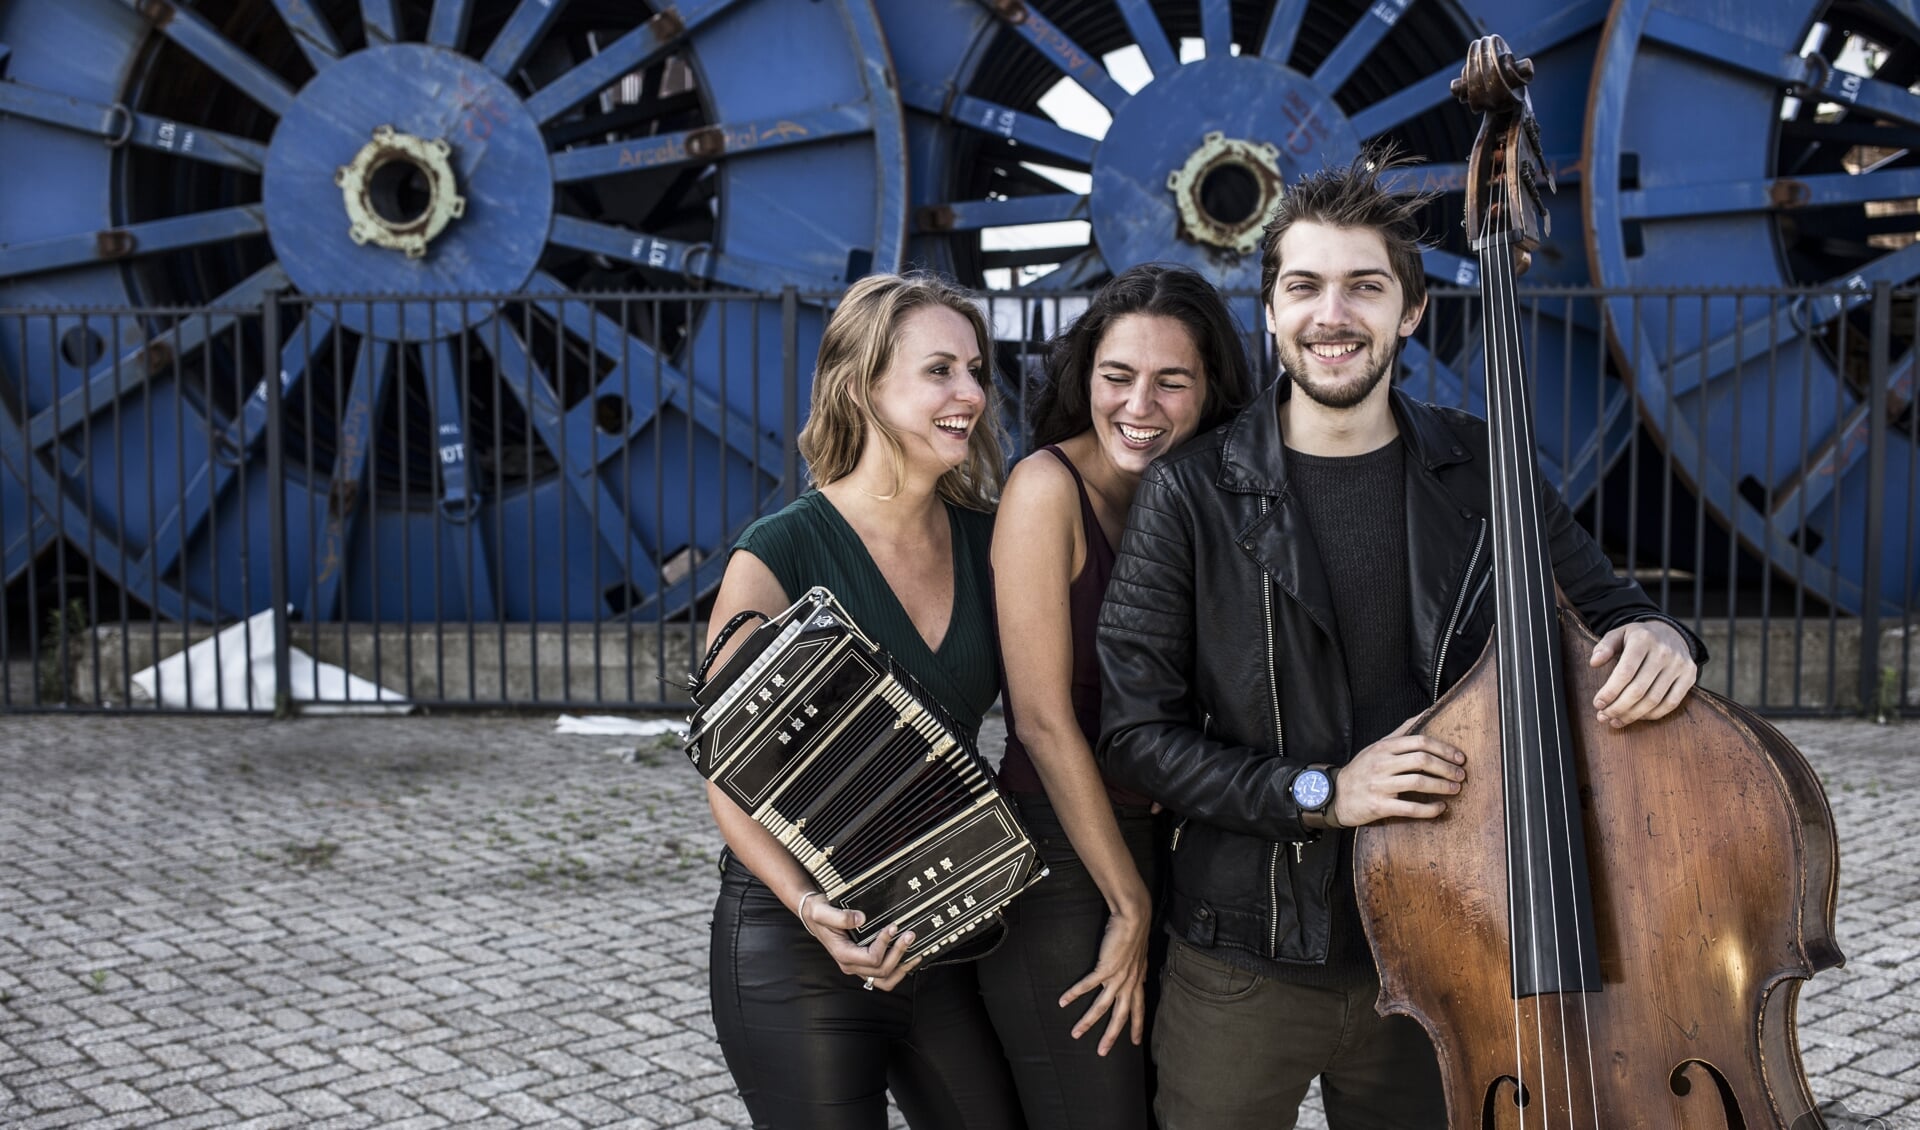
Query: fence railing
(522, 500)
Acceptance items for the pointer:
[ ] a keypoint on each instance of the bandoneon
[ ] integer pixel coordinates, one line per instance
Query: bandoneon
(814, 731)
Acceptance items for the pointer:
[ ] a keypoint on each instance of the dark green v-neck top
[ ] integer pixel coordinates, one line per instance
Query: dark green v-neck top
(809, 543)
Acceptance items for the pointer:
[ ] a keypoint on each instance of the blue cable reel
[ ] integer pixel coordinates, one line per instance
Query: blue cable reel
(529, 460)
(1767, 145)
(1205, 110)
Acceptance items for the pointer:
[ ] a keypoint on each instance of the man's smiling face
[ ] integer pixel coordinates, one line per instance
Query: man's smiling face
(1337, 313)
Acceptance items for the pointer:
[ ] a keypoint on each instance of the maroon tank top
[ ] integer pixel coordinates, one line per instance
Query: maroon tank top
(1017, 773)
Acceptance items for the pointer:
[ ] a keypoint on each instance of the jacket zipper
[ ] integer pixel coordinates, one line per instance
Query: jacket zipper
(1280, 740)
(1459, 603)
(1206, 727)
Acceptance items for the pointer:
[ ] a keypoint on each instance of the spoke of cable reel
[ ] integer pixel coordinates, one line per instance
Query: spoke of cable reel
(1811, 76)
(126, 373)
(1841, 451)
(690, 260)
(348, 497)
(381, 20)
(1079, 269)
(972, 215)
(310, 32)
(47, 495)
(516, 39)
(1062, 53)
(84, 248)
(448, 372)
(121, 126)
(1144, 23)
(1424, 94)
(1763, 325)
(182, 524)
(199, 38)
(631, 52)
(1077, 149)
(644, 377)
(1358, 43)
(1779, 194)
(530, 385)
(447, 25)
(707, 144)
(1216, 27)
(1277, 45)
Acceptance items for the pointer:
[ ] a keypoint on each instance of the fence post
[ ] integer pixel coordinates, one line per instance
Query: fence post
(276, 503)
(789, 393)
(1877, 375)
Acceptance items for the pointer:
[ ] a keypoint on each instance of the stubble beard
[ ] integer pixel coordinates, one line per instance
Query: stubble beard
(1297, 362)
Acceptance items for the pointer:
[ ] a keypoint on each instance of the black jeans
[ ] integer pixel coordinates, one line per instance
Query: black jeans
(1053, 940)
(811, 1050)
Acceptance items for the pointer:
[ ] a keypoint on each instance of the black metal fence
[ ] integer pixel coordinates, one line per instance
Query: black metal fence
(523, 500)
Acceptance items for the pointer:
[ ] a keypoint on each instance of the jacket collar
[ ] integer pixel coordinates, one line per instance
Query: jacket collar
(1253, 457)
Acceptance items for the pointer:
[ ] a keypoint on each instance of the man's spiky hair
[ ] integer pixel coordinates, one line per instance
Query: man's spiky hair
(1352, 196)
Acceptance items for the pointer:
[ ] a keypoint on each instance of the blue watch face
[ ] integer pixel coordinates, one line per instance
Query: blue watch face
(1311, 789)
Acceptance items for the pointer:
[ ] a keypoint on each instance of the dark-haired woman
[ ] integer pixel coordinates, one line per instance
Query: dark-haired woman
(1155, 358)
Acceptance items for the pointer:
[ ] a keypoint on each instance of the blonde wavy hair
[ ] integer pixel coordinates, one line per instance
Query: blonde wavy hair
(855, 353)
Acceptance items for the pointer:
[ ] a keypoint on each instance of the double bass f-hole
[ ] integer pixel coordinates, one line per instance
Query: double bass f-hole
(1605, 929)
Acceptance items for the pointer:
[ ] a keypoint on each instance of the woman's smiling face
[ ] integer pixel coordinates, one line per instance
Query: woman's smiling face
(931, 396)
(1149, 388)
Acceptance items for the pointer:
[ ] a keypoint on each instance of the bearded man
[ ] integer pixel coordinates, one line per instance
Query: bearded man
(1292, 589)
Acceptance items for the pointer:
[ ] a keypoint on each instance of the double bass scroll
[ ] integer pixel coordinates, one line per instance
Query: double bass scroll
(1607, 928)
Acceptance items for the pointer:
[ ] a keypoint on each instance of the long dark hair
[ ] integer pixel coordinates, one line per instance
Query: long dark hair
(1062, 407)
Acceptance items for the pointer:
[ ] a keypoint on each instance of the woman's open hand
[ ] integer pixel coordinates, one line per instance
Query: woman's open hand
(1120, 978)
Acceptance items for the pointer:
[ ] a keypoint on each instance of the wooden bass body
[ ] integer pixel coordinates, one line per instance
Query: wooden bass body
(1713, 869)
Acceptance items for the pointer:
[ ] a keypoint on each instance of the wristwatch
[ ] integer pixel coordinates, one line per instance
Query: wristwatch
(1313, 790)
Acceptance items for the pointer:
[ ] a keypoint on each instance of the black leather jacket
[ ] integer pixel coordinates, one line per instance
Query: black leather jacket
(1219, 687)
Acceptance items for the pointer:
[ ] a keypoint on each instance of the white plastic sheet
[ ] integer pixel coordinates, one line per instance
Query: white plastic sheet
(219, 672)
(615, 725)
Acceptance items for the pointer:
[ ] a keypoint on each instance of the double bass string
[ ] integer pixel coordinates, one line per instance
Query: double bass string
(1538, 737)
(1490, 250)
(1493, 253)
(1533, 626)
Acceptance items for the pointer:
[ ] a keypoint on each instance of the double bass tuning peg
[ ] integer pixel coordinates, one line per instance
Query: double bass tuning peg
(1532, 186)
(1531, 126)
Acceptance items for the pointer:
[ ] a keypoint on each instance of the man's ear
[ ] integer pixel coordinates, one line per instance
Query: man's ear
(1410, 319)
(1266, 311)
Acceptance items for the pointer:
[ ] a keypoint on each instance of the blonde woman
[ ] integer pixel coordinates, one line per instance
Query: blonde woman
(902, 449)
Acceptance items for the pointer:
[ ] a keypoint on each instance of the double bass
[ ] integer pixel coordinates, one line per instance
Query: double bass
(1606, 928)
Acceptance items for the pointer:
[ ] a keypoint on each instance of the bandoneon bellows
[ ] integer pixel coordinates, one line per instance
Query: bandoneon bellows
(817, 733)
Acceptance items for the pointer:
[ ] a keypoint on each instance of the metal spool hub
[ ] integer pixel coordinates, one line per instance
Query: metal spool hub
(1203, 109)
(445, 458)
(1806, 178)
(400, 192)
(1225, 191)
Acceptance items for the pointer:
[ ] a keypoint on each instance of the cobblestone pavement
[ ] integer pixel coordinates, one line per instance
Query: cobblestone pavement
(472, 921)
